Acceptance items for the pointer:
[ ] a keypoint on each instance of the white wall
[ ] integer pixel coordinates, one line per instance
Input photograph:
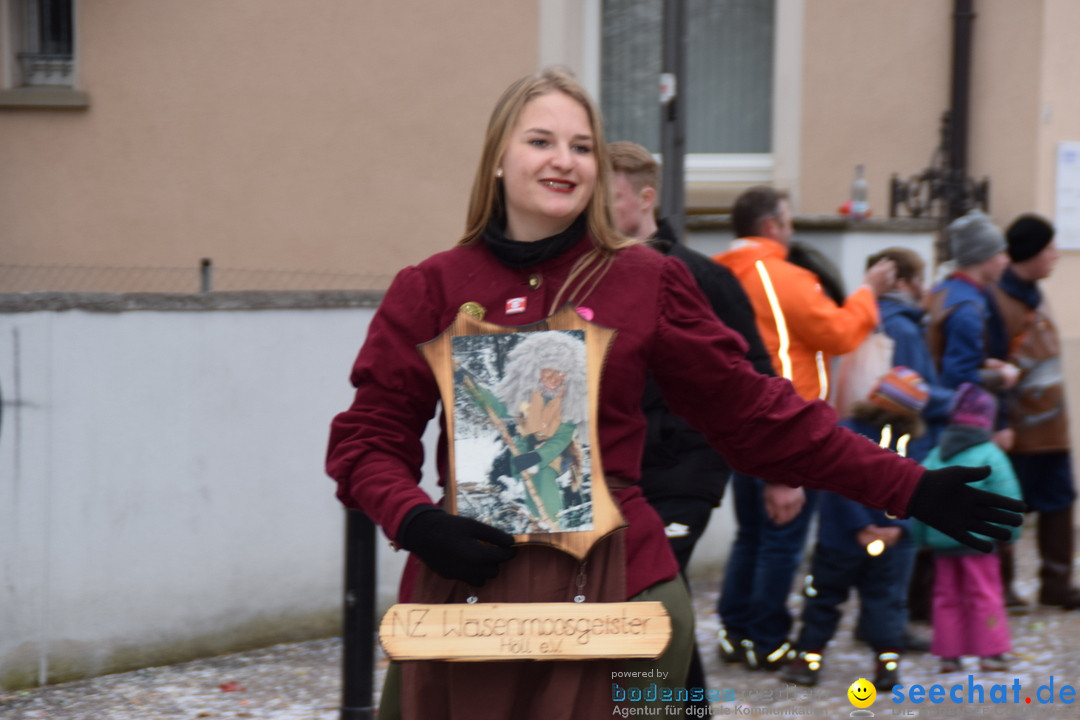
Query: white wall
(162, 494)
(161, 486)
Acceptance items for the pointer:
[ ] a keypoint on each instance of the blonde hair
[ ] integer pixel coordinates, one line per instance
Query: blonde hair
(487, 201)
(636, 163)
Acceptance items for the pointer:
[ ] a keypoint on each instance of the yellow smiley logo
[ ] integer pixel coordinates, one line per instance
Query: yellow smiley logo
(862, 693)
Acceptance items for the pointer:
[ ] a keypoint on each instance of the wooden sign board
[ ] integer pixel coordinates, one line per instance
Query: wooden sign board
(525, 631)
(521, 407)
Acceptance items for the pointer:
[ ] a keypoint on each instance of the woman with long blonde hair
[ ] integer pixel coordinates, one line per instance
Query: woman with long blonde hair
(539, 237)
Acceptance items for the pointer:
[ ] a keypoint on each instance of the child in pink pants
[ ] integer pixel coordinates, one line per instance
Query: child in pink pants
(969, 607)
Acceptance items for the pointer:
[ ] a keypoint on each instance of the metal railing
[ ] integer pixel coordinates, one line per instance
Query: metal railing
(941, 191)
(201, 277)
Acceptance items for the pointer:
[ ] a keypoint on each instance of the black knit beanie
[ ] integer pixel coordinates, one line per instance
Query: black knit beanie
(1027, 236)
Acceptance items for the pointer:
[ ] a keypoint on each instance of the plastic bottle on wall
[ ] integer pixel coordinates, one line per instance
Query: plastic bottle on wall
(860, 206)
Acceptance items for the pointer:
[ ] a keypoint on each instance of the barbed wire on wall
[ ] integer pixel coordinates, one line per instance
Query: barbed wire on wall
(202, 278)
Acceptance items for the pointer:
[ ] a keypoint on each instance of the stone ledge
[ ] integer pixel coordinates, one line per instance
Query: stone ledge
(26, 98)
(186, 302)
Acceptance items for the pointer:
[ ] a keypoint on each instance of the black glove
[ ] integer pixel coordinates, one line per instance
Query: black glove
(455, 547)
(944, 501)
(524, 461)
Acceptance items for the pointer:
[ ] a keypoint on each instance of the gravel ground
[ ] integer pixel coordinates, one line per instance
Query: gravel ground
(298, 681)
(1046, 643)
(302, 681)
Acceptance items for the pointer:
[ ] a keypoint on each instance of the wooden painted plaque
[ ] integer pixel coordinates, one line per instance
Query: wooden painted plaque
(525, 631)
(521, 407)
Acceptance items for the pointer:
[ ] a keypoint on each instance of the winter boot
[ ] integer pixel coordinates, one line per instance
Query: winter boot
(756, 660)
(729, 647)
(1055, 534)
(803, 670)
(887, 673)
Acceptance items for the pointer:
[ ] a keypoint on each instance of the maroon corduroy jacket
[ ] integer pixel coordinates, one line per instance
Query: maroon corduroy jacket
(663, 324)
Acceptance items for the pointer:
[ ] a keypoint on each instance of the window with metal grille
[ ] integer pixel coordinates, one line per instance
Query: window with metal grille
(729, 88)
(47, 57)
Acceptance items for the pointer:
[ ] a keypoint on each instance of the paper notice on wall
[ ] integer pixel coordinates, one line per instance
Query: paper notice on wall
(1067, 196)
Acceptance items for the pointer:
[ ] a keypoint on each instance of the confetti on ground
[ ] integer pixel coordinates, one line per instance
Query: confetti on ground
(302, 681)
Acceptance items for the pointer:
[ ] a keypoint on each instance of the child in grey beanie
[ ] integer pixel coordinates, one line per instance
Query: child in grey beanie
(973, 238)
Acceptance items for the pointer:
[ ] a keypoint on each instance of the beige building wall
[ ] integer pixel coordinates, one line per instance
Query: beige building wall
(875, 84)
(877, 79)
(335, 135)
(339, 136)
(1024, 100)
(1059, 111)
(1007, 47)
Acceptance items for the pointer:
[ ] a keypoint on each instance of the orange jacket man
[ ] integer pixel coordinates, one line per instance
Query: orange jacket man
(801, 326)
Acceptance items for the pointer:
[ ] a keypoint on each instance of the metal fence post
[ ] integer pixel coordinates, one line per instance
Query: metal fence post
(358, 633)
(206, 275)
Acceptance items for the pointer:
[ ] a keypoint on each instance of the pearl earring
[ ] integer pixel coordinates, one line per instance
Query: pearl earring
(498, 173)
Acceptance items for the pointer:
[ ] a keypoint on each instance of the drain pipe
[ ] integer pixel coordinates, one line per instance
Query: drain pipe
(963, 19)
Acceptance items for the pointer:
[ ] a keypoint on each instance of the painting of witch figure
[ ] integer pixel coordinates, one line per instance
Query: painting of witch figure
(521, 435)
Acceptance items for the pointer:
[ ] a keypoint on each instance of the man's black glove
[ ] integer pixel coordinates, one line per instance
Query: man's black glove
(944, 501)
(524, 461)
(455, 547)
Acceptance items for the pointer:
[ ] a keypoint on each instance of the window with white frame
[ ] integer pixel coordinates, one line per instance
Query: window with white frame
(43, 32)
(729, 88)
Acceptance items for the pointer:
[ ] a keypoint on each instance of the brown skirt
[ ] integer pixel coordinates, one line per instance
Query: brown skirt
(523, 690)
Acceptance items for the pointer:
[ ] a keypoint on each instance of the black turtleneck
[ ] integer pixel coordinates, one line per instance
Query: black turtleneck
(517, 254)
